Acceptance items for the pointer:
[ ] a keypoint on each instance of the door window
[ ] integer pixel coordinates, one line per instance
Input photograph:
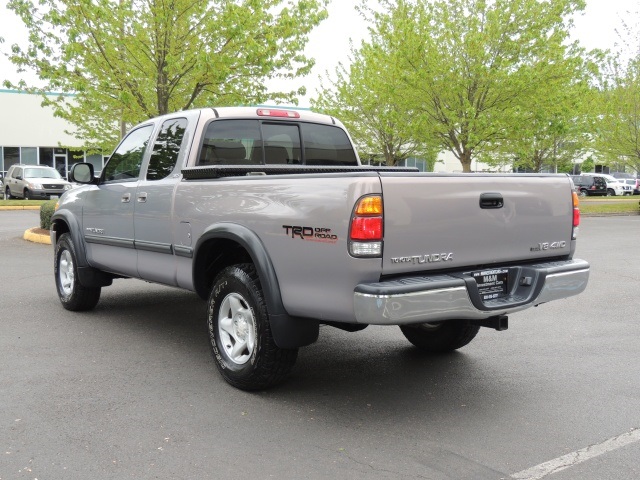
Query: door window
(125, 163)
(166, 149)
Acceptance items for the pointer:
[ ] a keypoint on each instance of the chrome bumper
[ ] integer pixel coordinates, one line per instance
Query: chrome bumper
(452, 296)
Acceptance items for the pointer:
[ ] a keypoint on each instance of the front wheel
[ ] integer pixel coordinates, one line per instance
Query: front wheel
(27, 194)
(440, 337)
(72, 294)
(611, 192)
(239, 332)
(7, 194)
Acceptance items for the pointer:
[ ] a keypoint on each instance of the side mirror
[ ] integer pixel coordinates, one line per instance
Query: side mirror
(81, 173)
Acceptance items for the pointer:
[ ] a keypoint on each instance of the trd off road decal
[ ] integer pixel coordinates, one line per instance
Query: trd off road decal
(310, 234)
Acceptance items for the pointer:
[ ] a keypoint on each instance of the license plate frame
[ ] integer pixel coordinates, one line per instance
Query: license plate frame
(491, 283)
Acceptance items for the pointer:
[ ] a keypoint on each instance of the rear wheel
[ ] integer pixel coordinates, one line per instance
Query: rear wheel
(440, 337)
(7, 194)
(73, 295)
(239, 332)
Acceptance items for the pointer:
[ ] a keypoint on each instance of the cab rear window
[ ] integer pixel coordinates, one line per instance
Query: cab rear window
(257, 142)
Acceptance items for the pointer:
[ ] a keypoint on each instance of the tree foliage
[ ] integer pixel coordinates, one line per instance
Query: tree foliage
(365, 96)
(472, 67)
(128, 60)
(618, 127)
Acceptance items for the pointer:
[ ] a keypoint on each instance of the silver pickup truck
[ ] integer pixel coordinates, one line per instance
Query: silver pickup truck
(269, 216)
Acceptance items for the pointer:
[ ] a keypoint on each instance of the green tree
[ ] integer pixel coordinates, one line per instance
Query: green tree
(366, 98)
(128, 60)
(468, 66)
(551, 129)
(618, 129)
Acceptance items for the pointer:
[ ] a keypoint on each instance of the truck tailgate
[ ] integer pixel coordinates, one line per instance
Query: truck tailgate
(435, 222)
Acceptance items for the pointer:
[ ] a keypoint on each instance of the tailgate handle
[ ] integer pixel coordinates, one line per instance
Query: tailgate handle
(491, 200)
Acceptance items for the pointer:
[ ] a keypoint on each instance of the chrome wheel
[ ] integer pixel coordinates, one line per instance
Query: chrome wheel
(65, 273)
(237, 328)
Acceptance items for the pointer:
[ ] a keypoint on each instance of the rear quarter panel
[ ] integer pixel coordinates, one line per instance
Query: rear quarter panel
(316, 275)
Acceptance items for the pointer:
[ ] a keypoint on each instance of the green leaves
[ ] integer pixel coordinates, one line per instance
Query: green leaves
(128, 60)
(492, 79)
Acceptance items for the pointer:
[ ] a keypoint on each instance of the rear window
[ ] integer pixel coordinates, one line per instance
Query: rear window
(255, 142)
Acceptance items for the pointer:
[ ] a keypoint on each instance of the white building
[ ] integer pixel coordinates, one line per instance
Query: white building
(30, 134)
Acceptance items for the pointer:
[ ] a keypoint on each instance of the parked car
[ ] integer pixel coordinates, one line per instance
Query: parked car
(587, 185)
(634, 183)
(614, 185)
(33, 181)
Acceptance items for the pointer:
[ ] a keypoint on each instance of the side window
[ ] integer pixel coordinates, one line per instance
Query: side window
(327, 145)
(231, 142)
(166, 149)
(17, 173)
(125, 162)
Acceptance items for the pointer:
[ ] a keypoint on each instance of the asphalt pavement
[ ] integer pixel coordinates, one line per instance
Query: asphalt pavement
(129, 390)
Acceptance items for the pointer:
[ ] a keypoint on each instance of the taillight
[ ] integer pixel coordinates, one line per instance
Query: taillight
(366, 231)
(576, 215)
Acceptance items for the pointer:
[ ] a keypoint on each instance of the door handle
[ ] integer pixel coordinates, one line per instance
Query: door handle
(126, 198)
(142, 197)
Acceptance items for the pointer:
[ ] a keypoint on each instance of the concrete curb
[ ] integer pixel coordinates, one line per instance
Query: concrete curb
(31, 236)
(20, 207)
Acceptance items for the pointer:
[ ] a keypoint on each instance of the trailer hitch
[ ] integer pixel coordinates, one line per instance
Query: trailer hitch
(499, 322)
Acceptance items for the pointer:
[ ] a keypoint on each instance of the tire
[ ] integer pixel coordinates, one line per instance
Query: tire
(26, 194)
(583, 193)
(611, 193)
(440, 337)
(240, 335)
(7, 194)
(73, 295)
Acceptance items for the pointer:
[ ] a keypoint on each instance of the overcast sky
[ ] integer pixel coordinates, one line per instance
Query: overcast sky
(329, 43)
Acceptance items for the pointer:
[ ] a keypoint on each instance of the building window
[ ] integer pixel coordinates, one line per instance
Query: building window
(11, 156)
(29, 156)
(46, 156)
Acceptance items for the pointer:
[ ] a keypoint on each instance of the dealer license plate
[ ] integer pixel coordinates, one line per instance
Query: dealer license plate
(492, 283)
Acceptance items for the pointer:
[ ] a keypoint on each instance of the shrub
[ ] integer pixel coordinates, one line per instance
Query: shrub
(46, 211)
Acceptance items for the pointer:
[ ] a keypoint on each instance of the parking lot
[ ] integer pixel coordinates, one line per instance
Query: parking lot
(129, 390)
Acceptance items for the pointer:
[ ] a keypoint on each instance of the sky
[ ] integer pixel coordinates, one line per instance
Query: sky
(329, 42)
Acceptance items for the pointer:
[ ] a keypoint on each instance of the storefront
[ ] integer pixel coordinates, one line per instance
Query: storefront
(30, 134)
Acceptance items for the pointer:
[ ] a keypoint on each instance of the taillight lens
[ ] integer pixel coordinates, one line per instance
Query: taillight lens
(366, 228)
(367, 223)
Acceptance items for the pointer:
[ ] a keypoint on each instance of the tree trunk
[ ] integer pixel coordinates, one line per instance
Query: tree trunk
(465, 160)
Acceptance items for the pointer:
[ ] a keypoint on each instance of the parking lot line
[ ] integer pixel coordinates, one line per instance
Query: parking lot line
(579, 456)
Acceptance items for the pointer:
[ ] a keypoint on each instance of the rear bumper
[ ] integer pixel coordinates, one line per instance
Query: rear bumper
(452, 296)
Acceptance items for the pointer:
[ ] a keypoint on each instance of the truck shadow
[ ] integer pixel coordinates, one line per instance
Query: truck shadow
(358, 377)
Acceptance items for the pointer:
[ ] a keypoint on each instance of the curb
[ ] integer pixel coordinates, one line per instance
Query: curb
(31, 236)
(23, 207)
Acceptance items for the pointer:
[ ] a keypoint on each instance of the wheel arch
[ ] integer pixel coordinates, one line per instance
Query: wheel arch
(224, 244)
(63, 221)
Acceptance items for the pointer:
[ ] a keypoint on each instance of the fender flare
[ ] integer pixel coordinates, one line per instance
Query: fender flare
(73, 225)
(88, 276)
(287, 331)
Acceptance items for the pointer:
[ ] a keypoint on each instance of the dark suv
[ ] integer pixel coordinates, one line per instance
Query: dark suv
(589, 185)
